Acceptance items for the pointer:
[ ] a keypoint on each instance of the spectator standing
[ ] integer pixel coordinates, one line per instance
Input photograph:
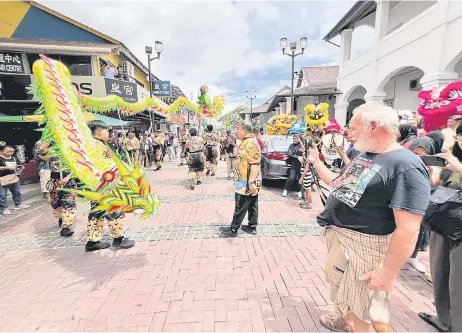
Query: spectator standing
(133, 146)
(230, 151)
(175, 145)
(247, 183)
(43, 167)
(9, 180)
(372, 216)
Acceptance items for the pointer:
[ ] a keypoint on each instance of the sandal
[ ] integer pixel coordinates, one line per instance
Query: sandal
(335, 324)
(429, 319)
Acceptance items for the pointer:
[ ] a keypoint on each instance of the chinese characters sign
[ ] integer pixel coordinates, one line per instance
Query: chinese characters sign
(161, 88)
(124, 89)
(11, 62)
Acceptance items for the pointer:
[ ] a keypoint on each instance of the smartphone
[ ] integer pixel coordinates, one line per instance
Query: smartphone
(432, 160)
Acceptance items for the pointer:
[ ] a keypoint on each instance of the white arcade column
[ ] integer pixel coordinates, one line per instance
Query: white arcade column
(341, 113)
(376, 97)
(283, 108)
(437, 79)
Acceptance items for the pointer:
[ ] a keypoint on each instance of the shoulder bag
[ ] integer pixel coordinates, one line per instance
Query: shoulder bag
(444, 212)
(9, 179)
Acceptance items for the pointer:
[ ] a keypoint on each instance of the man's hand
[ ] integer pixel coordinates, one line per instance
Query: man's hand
(380, 279)
(65, 180)
(313, 155)
(252, 188)
(453, 163)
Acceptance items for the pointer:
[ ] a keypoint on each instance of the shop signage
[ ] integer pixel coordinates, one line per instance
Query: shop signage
(124, 89)
(161, 88)
(11, 63)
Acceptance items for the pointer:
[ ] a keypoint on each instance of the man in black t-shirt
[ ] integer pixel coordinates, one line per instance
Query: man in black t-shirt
(372, 215)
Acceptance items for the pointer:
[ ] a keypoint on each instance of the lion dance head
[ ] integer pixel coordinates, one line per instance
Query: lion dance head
(438, 104)
(280, 124)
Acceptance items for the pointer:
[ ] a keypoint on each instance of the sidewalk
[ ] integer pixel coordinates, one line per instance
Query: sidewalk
(180, 276)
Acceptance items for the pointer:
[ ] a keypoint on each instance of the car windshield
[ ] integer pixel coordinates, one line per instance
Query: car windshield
(278, 144)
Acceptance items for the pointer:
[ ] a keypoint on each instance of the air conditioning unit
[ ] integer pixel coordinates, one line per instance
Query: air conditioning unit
(128, 69)
(414, 85)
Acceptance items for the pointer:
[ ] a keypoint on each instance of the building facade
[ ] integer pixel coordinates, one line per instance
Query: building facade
(416, 46)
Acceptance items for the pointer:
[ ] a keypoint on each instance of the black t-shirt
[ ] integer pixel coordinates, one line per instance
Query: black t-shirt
(374, 185)
(12, 161)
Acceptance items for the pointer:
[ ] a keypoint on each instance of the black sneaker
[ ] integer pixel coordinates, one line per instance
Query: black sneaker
(207, 173)
(227, 232)
(212, 174)
(199, 182)
(123, 243)
(60, 222)
(191, 186)
(66, 232)
(95, 246)
(249, 230)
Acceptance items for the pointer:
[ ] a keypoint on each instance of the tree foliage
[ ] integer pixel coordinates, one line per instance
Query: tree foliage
(233, 117)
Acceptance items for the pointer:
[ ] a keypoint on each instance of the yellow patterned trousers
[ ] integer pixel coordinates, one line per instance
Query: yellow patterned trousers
(211, 166)
(195, 176)
(95, 229)
(63, 203)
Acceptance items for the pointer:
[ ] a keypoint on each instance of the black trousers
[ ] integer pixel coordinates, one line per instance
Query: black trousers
(244, 204)
(292, 181)
(446, 270)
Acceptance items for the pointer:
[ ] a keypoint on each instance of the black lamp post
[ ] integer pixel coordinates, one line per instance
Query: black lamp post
(292, 54)
(251, 97)
(148, 49)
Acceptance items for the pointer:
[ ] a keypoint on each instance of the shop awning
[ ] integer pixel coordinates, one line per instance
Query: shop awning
(88, 116)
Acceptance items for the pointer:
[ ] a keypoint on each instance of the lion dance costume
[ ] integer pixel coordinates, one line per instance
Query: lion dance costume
(438, 104)
(316, 119)
(280, 124)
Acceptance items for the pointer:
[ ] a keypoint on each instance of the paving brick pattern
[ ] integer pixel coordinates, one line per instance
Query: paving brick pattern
(180, 276)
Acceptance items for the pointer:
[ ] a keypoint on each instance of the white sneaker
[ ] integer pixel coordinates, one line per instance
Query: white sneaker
(300, 195)
(284, 193)
(418, 266)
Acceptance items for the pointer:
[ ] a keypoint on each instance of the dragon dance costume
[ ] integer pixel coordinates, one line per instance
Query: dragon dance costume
(183, 140)
(62, 202)
(196, 159)
(211, 144)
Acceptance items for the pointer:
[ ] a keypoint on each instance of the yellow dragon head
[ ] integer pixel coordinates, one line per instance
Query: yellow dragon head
(316, 116)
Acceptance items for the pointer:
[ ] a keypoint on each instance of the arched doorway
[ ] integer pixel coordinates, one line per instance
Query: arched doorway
(458, 69)
(353, 105)
(401, 87)
(355, 97)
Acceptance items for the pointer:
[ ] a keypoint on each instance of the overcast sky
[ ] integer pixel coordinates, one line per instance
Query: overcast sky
(232, 46)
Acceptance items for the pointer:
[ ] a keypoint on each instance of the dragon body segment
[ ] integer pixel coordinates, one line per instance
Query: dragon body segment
(117, 186)
(110, 103)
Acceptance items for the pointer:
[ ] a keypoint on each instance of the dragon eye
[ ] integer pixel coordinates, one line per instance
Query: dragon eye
(453, 94)
(422, 101)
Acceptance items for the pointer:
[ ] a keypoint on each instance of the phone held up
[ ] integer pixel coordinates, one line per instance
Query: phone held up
(432, 160)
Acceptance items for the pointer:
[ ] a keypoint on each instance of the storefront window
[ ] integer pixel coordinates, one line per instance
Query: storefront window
(77, 65)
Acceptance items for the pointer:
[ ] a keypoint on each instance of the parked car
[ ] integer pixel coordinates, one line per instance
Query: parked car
(274, 155)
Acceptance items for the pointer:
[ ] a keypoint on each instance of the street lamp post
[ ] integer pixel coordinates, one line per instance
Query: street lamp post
(251, 97)
(292, 54)
(148, 49)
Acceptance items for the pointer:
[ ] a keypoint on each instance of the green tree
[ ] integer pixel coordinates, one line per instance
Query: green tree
(233, 118)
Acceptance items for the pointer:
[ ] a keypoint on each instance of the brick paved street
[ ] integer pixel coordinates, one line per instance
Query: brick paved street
(181, 276)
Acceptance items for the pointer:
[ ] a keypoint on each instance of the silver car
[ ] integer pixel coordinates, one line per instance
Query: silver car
(274, 155)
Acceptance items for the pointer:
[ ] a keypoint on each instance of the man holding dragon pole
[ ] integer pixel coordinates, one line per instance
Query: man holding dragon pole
(100, 131)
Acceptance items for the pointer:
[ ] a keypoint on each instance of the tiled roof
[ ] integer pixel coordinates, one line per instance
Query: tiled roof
(320, 88)
(257, 109)
(319, 74)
